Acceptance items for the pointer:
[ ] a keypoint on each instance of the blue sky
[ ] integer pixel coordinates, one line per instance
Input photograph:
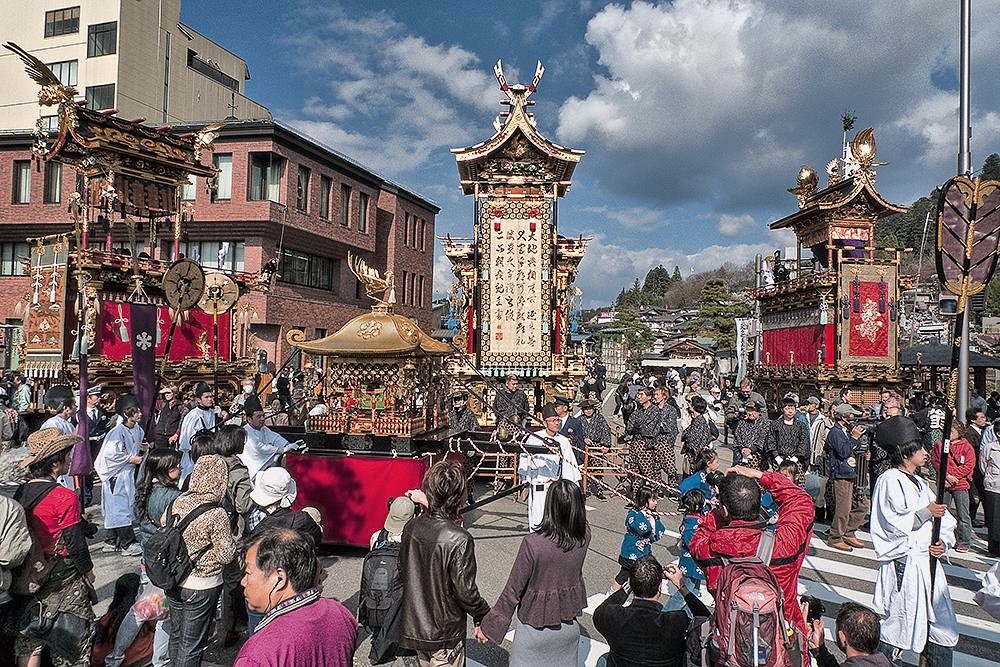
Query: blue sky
(695, 114)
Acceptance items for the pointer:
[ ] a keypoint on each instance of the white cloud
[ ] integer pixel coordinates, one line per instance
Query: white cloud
(725, 99)
(731, 225)
(443, 276)
(641, 218)
(608, 266)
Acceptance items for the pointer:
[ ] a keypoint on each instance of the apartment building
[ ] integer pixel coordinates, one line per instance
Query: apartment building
(136, 57)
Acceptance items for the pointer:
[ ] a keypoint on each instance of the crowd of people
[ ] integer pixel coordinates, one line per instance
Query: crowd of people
(205, 508)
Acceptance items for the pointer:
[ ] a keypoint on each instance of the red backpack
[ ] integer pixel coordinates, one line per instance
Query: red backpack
(749, 627)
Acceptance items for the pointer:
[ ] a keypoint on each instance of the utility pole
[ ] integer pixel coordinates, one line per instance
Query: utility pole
(964, 169)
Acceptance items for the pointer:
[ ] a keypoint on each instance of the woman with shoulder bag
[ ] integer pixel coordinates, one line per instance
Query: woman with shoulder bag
(58, 575)
(211, 544)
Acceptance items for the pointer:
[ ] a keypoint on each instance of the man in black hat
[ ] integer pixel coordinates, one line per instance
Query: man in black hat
(459, 415)
(641, 431)
(751, 434)
(571, 427)
(597, 438)
(98, 425)
(201, 417)
(903, 510)
(263, 446)
(510, 403)
(116, 464)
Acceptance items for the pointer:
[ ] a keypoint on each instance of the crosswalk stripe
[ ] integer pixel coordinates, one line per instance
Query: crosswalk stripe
(967, 626)
(867, 574)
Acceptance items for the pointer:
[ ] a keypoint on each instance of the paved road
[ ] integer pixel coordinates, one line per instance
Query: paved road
(832, 576)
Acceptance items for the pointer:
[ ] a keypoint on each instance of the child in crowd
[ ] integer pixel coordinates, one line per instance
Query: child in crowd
(694, 505)
(642, 528)
(704, 464)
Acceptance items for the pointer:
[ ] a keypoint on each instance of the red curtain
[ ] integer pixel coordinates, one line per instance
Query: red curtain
(196, 330)
(805, 342)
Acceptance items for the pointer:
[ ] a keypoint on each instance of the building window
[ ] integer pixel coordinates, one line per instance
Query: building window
(345, 205)
(50, 123)
(227, 255)
(12, 259)
(266, 170)
(189, 189)
(413, 231)
(62, 21)
(302, 190)
(224, 184)
(325, 186)
(406, 229)
(21, 192)
(212, 71)
(299, 268)
(53, 183)
(363, 212)
(101, 97)
(423, 235)
(66, 71)
(402, 294)
(102, 39)
(420, 293)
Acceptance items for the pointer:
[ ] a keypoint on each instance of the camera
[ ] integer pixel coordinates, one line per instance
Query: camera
(713, 478)
(816, 608)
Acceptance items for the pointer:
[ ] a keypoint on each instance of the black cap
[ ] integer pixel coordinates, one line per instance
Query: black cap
(549, 410)
(126, 401)
(252, 405)
(202, 388)
(895, 432)
(58, 397)
(562, 400)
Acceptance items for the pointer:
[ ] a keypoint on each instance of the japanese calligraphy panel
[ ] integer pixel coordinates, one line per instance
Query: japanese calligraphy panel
(516, 245)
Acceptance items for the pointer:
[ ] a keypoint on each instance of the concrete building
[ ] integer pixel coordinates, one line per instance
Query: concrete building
(136, 57)
(281, 196)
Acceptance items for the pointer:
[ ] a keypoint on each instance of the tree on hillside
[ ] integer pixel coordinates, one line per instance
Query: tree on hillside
(677, 274)
(717, 313)
(991, 167)
(637, 334)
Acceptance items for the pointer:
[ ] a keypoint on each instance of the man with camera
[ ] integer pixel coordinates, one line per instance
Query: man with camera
(857, 635)
(845, 455)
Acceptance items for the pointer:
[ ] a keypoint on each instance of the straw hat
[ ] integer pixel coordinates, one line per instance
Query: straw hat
(46, 442)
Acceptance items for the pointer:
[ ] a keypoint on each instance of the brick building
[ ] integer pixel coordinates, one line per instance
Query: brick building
(280, 195)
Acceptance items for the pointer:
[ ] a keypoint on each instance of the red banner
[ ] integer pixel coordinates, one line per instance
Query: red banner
(192, 337)
(352, 492)
(869, 327)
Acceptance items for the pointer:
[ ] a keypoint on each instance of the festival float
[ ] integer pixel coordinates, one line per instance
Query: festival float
(830, 318)
(513, 307)
(111, 301)
(388, 424)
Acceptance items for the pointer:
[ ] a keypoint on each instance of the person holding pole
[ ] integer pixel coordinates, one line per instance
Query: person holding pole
(916, 608)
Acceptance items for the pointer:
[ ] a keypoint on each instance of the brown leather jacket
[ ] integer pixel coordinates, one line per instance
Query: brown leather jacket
(437, 563)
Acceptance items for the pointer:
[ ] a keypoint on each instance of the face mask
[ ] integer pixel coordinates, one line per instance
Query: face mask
(247, 390)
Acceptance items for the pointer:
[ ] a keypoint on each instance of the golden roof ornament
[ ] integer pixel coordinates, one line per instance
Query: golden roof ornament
(52, 91)
(863, 148)
(832, 172)
(806, 185)
(373, 282)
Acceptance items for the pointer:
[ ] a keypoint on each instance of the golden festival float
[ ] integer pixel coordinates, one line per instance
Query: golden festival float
(514, 298)
(830, 317)
(111, 300)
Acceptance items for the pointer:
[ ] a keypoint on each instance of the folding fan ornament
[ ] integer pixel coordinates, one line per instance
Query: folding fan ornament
(968, 235)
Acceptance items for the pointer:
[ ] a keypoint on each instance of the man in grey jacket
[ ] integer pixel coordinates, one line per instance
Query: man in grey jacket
(15, 541)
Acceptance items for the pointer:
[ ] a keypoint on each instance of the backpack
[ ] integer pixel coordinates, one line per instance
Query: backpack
(165, 554)
(749, 628)
(29, 577)
(381, 585)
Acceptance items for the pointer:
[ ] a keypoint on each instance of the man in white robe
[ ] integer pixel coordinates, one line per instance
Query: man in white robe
(263, 446)
(116, 465)
(903, 510)
(199, 418)
(540, 470)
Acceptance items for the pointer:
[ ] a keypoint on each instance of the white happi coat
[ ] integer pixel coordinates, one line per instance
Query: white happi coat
(66, 428)
(117, 474)
(262, 449)
(195, 420)
(540, 470)
(901, 530)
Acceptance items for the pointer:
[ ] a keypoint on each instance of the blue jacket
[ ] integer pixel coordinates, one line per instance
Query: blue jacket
(639, 534)
(840, 447)
(688, 527)
(697, 481)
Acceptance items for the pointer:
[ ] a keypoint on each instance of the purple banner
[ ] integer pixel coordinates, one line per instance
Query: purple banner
(143, 335)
